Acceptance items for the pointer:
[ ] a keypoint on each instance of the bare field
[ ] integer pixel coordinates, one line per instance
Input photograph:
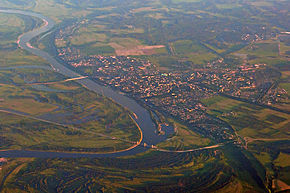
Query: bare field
(138, 50)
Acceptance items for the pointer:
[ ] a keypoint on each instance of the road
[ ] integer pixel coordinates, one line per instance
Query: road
(190, 150)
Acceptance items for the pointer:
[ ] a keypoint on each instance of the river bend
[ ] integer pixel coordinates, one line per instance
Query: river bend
(143, 118)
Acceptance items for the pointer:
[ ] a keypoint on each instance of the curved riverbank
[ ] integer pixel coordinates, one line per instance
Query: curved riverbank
(142, 118)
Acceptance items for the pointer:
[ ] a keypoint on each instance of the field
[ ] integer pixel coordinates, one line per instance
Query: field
(184, 139)
(10, 23)
(30, 134)
(273, 155)
(58, 13)
(176, 172)
(11, 27)
(167, 30)
(177, 36)
(262, 49)
(45, 117)
(262, 52)
(249, 120)
(126, 47)
(68, 107)
(282, 160)
(265, 132)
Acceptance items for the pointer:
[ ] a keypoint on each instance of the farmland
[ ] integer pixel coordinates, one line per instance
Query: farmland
(250, 120)
(41, 117)
(215, 72)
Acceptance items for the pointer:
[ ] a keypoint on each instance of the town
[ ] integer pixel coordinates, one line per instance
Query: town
(177, 94)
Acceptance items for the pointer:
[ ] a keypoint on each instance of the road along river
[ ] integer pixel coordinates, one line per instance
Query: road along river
(142, 118)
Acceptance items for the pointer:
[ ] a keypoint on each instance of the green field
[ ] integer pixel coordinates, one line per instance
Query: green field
(29, 134)
(250, 120)
(8, 24)
(74, 101)
(261, 50)
(184, 139)
(283, 160)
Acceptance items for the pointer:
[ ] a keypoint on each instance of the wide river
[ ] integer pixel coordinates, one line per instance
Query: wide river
(143, 117)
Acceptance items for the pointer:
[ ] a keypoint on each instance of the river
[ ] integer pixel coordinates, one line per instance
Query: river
(143, 118)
